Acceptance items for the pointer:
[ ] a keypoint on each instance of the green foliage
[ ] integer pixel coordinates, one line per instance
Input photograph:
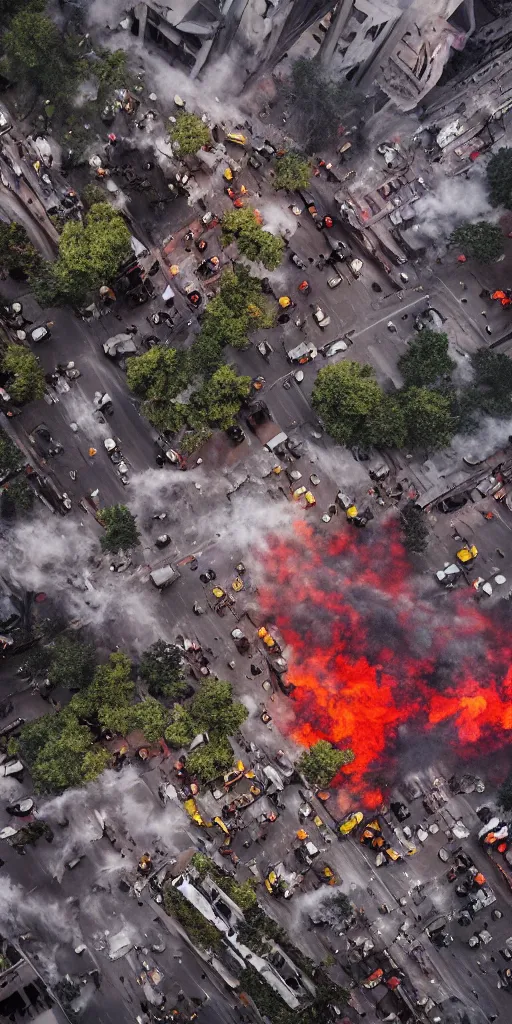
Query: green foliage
(428, 418)
(60, 752)
(414, 525)
(482, 241)
(110, 693)
(322, 762)
(8, 8)
(201, 932)
(292, 172)
(189, 133)
(92, 194)
(205, 356)
(426, 359)
(17, 497)
(499, 178)
(213, 709)
(40, 56)
(347, 397)
(343, 905)
(505, 794)
(194, 440)
(218, 401)
(17, 254)
(120, 528)
(162, 671)
(181, 730)
(90, 255)
(492, 387)
(72, 663)
(241, 893)
(320, 104)
(27, 382)
(11, 458)
(151, 717)
(157, 377)
(239, 308)
(253, 242)
(112, 69)
(211, 760)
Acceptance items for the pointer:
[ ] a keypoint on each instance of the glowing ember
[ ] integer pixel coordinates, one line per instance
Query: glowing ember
(369, 654)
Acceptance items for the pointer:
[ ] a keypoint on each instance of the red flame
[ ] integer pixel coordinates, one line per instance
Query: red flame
(370, 654)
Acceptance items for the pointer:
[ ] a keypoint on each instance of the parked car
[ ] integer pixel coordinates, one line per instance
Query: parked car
(297, 260)
(334, 347)
(355, 266)
(39, 333)
(334, 281)
(320, 317)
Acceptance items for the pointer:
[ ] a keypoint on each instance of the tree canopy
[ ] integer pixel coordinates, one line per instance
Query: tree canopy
(492, 385)
(322, 762)
(482, 241)
(428, 418)
(39, 55)
(189, 133)
(321, 104)
(499, 178)
(239, 308)
(253, 241)
(426, 359)
(26, 376)
(219, 399)
(109, 701)
(414, 526)
(72, 663)
(157, 377)
(90, 254)
(17, 254)
(214, 711)
(162, 671)
(292, 171)
(120, 528)
(347, 396)
(61, 752)
(11, 458)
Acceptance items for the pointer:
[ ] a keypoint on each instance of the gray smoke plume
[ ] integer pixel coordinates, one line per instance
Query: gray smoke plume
(450, 202)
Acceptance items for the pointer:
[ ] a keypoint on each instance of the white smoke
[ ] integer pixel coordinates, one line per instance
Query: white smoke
(491, 436)
(452, 201)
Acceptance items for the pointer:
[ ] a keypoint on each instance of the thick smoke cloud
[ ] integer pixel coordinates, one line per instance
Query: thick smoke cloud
(451, 201)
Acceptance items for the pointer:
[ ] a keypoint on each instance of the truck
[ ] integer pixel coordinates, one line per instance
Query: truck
(164, 577)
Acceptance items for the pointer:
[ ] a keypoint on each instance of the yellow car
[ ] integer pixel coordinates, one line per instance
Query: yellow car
(349, 824)
(237, 138)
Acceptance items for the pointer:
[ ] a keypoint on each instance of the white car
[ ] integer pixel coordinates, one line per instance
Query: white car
(39, 334)
(320, 317)
(335, 347)
(333, 282)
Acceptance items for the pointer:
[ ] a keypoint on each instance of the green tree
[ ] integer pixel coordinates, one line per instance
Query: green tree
(218, 401)
(90, 254)
(386, 425)
(151, 717)
(322, 762)
(162, 670)
(92, 194)
(181, 730)
(321, 104)
(414, 526)
(189, 133)
(8, 8)
(214, 710)
(499, 178)
(26, 377)
(61, 752)
(120, 528)
(17, 497)
(111, 69)
(240, 307)
(210, 760)
(40, 56)
(11, 458)
(157, 377)
(72, 663)
(112, 687)
(201, 932)
(17, 254)
(482, 241)
(292, 172)
(426, 359)
(505, 794)
(253, 241)
(346, 396)
(428, 418)
(492, 386)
